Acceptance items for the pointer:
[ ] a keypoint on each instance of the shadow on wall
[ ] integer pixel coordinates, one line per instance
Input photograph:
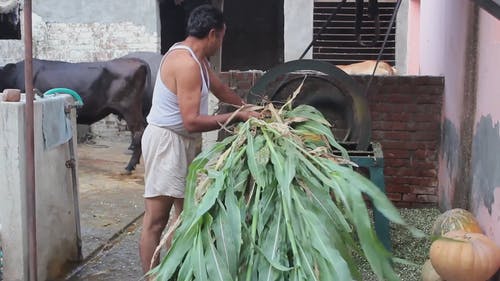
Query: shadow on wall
(485, 161)
(450, 153)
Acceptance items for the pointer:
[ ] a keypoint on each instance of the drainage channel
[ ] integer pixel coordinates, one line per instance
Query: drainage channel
(101, 251)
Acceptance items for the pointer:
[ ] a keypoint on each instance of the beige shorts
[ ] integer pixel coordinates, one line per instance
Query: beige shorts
(167, 156)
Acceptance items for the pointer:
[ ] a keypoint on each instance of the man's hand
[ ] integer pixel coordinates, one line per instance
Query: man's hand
(245, 115)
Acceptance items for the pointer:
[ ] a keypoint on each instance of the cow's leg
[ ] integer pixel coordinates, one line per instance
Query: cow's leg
(131, 147)
(136, 129)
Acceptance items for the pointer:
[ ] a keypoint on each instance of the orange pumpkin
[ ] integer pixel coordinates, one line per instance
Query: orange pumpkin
(429, 273)
(455, 219)
(462, 256)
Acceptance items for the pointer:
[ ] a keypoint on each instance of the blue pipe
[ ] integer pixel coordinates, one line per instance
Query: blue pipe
(75, 95)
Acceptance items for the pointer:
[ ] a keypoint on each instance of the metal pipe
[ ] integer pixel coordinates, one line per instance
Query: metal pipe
(30, 144)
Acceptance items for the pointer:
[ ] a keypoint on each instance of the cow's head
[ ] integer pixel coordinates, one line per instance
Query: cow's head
(8, 76)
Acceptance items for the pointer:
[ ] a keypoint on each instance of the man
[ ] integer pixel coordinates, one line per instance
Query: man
(178, 115)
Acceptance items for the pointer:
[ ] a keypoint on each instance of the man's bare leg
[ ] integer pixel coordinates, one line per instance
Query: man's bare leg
(178, 206)
(155, 219)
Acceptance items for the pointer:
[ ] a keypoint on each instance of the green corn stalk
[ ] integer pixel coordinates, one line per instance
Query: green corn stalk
(259, 206)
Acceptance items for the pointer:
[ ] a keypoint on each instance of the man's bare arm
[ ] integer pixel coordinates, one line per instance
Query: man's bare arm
(222, 91)
(188, 85)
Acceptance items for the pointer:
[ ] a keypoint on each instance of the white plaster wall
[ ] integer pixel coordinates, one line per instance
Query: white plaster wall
(402, 38)
(298, 28)
(56, 37)
(56, 225)
(78, 42)
(67, 33)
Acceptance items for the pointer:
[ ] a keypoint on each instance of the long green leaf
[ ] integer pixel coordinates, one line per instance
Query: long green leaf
(215, 265)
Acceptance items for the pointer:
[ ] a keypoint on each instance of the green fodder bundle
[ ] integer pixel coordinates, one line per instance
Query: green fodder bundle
(273, 202)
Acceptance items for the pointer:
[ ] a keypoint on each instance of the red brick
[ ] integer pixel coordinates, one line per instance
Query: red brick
(411, 108)
(424, 190)
(425, 126)
(399, 116)
(389, 126)
(396, 153)
(420, 154)
(427, 81)
(378, 135)
(394, 196)
(427, 198)
(401, 204)
(399, 98)
(423, 205)
(429, 99)
(425, 116)
(398, 135)
(391, 178)
(421, 181)
(388, 144)
(409, 197)
(397, 189)
(424, 165)
(396, 162)
(425, 136)
(429, 173)
(385, 107)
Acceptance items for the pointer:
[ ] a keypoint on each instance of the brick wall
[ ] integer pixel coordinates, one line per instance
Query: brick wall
(406, 115)
(83, 42)
(77, 42)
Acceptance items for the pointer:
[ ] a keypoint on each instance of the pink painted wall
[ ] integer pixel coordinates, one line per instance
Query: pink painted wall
(413, 44)
(486, 141)
(443, 42)
(443, 26)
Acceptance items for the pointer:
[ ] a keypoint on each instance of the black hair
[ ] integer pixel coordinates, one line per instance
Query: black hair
(202, 19)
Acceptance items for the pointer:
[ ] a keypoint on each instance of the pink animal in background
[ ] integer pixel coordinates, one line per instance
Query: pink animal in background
(366, 68)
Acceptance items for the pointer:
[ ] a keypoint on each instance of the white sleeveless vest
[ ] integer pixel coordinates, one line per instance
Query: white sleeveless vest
(165, 110)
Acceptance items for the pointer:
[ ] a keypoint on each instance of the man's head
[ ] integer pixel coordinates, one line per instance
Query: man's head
(207, 22)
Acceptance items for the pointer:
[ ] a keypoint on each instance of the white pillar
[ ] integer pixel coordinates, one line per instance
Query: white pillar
(298, 28)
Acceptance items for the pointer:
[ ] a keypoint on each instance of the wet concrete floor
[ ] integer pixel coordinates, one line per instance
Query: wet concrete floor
(111, 208)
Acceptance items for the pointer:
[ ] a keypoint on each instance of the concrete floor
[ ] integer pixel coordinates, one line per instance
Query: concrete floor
(111, 207)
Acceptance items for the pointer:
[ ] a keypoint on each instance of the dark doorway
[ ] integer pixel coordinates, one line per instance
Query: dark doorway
(10, 23)
(254, 36)
(173, 18)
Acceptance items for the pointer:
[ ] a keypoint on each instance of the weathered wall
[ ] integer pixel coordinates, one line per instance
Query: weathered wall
(88, 30)
(137, 12)
(442, 51)
(92, 30)
(485, 201)
(55, 208)
(462, 42)
(406, 115)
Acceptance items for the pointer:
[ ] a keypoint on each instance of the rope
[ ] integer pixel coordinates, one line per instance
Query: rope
(386, 37)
